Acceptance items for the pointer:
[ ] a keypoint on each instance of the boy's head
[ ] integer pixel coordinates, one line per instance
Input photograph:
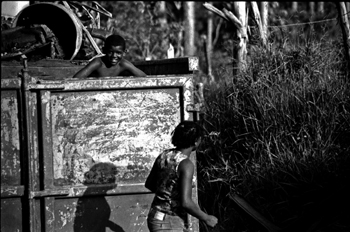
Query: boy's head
(114, 40)
(114, 48)
(186, 134)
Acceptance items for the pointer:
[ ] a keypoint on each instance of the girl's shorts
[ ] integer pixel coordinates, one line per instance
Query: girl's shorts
(158, 221)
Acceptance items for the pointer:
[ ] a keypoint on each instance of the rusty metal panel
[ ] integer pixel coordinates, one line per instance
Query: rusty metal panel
(102, 213)
(124, 127)
(99, 139)
(12, 189)
(32, 137)
(10, 139)
(61, 69)
(11, 215)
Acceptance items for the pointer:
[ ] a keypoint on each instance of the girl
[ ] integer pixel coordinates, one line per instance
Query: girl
(171, 181)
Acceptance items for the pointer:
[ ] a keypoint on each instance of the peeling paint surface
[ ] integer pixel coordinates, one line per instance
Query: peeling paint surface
(193, 63)
(12, 219)
(10, 144)
(90, 145)
(99, 213)
(127, 128)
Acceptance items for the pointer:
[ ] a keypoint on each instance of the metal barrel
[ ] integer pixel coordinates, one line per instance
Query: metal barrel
(61, 21)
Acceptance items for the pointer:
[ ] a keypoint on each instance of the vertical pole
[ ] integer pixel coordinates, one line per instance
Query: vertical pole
(189, 28)
(25, 78)
(345, 27)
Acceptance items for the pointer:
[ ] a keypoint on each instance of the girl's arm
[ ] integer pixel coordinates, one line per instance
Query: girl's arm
(151, 181)
(186, 170)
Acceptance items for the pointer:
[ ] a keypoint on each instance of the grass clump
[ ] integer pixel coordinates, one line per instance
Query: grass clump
(279, 136)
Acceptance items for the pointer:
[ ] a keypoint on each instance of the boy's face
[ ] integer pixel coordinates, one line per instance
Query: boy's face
(114, 54)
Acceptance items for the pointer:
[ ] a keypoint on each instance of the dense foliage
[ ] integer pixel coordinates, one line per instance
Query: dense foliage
(140, 23)
(279, 137)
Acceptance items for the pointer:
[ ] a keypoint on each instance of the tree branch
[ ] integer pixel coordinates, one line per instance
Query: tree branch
(217, 30)
(233, 18)
(256, 13)
(215, 10)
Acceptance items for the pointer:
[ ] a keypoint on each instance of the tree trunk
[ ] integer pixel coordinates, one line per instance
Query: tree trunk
(264, 9)
(294, 6)
(320, 8)
(217, 31)
(258, 21)
(162, 14)
(189, 33)
(312, 8)
(347, 6)
(345, 27)
(209, 46)
(240, 21)
(163, 21)
(240, 48)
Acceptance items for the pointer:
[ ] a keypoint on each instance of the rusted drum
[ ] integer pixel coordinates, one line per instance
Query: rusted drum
(12, 8)
(62, 22)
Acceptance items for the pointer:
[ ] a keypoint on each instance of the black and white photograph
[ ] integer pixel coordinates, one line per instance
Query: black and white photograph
(175, 116)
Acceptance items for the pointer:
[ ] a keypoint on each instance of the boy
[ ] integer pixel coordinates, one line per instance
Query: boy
(112, 64)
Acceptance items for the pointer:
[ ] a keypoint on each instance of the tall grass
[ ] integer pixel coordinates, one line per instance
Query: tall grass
(279, 136)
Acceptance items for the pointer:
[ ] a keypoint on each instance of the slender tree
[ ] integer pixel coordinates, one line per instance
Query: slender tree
(261, 20)
(264, 9)
(240, 50)
(189, 33)
(162, 13)
(312, 8)
(320, 7)
(163, 22)
(345, 26)
(239, 19)
(209, 46)
(294, 6)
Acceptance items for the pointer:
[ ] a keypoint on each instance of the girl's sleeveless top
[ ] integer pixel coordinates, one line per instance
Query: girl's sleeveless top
(167, 196)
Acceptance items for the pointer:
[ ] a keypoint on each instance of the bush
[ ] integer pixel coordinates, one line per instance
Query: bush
(279, 137)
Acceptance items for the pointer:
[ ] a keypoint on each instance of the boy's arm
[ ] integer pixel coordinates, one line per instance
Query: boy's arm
(133, 69)
(88, 69)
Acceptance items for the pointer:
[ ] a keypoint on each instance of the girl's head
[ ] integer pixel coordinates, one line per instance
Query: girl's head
(186, 134)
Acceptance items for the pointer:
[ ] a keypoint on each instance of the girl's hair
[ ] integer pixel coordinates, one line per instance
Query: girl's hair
(114, 40)
(186, 134)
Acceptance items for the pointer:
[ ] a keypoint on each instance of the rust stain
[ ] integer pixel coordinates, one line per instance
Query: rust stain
(66, 216)
(126, 128)
(9, 191)
(10, 83)
(45, 99)
(52, 212)
(193, 63)
(113, 82)
(33, 136)
(109, 83)
(10, 143)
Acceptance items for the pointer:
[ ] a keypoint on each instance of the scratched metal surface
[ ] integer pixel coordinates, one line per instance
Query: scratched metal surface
(11, 202)
(122, 213)
(10, 143)
(11, 215)
(105, 135)
(127, 128)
